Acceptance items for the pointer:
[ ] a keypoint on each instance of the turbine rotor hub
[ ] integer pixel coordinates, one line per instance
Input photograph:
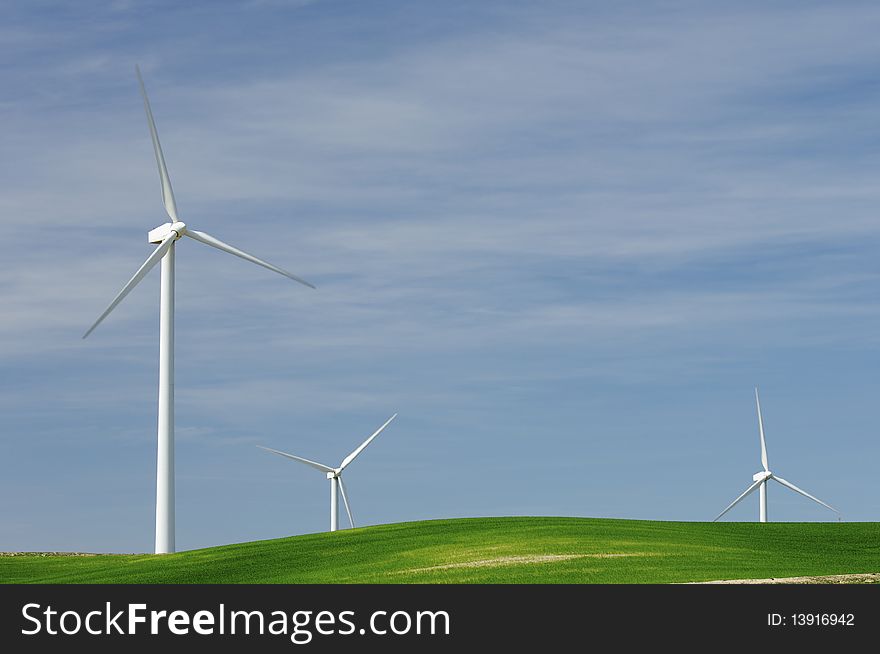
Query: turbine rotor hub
(761, 476)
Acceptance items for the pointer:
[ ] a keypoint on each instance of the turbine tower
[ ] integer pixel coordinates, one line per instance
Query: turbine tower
(760, 479)
(165, 236)
(335, 475)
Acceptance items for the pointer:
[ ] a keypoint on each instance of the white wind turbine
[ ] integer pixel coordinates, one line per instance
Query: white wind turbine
(166, 236)
(335, 475)
(760, 479)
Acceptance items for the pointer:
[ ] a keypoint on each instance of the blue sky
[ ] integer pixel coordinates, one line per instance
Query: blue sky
(563, 239)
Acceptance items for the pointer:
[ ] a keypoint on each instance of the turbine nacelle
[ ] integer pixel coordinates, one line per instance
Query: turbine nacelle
(761, 476)
(165, 230)
(334, 474)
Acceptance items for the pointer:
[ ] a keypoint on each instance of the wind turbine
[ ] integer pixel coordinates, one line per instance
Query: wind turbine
(760, 479)
(165, 236)
(335, 475)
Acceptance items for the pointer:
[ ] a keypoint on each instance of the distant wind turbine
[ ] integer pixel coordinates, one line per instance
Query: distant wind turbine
(165, 236)
(760, 479)
(335, 475)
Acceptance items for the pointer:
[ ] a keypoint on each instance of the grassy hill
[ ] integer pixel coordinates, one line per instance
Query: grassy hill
(492, 550)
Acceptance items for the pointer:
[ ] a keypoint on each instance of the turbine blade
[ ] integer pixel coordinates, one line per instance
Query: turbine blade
(739, 499)
(151, 261)
(761, 430)
(803, 492)
(207, 239)
(167, 193)
(351, 457)
(319, 466)
(345, 500)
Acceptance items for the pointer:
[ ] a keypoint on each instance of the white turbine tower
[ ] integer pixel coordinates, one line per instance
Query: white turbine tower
(166, 236)
(335, 475)
(760, 479)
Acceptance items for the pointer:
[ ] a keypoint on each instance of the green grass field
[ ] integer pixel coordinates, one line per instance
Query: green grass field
(492, 550)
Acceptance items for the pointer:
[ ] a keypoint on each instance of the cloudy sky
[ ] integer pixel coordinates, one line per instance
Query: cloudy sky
(563, 239)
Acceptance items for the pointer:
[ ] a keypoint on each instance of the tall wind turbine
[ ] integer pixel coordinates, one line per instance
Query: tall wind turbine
(760, 479)
(335, 475)
(165, 236)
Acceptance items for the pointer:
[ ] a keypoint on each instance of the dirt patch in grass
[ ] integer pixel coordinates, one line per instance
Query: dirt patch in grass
(862, 578)
(519, 560)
